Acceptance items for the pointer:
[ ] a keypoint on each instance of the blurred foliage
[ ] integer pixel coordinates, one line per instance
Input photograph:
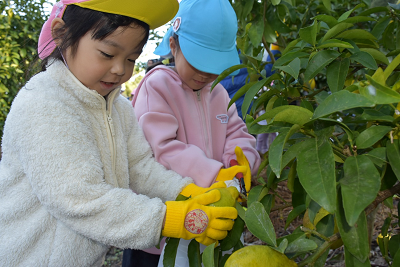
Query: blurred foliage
(20, 25)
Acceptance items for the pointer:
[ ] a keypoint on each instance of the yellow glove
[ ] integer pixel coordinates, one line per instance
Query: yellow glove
(194, 190)
(242, 161)
(230, 173)
(192, 218)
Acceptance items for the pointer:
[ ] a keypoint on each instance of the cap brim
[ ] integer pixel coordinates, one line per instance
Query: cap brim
(154, 12)
(208, 60)
(163, 49)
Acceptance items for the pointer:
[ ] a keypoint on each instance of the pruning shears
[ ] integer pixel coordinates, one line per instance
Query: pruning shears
(239, 176)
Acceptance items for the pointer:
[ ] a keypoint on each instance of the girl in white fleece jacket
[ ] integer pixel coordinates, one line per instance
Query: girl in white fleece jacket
(77, 174)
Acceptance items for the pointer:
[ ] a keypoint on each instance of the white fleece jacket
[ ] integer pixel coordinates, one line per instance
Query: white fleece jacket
(70, 162)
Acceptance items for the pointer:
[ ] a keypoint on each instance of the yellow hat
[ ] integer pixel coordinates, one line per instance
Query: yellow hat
(154, 12)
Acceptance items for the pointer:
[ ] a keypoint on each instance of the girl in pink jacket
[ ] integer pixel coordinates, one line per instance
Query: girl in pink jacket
(189, 127)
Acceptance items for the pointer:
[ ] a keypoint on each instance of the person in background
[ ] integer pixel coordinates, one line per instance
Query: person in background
(233, 84)
(187, 125)
(77, 175)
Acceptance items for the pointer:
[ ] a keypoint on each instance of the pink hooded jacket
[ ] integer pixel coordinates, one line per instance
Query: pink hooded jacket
(191, 132)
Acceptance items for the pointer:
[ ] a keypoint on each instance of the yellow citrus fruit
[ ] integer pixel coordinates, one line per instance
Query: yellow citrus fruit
(228, 197)
(310, 84)
(258, 256)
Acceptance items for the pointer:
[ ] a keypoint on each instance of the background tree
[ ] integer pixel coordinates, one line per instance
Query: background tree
(20, 25)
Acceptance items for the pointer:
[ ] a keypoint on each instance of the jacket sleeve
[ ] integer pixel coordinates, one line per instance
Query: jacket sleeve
(160, 127)
(238, 135)
(61, 158)
(147, 176)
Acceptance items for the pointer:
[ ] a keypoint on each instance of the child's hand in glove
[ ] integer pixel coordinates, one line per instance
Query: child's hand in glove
(194, 190)
(242, 161)
(230, 173)
(192, 218)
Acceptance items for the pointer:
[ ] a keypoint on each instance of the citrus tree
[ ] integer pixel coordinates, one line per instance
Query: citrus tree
(20, 25)
(337, 150)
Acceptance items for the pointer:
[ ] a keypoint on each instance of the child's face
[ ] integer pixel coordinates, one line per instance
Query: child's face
(191, 76)
(103, 65)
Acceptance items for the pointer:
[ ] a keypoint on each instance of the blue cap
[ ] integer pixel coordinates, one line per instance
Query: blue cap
(207, 35)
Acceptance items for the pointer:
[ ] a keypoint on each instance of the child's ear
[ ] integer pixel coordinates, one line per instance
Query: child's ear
(172, 45)
(56, 25)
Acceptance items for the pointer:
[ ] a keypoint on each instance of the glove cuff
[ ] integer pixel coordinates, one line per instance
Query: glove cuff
(174, 219)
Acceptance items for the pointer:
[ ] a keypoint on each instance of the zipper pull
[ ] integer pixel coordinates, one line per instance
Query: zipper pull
(111, 125)
(198, 95)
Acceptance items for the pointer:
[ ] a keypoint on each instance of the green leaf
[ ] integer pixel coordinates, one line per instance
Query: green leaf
(276, 149)
(208, 256)
(316, 171)
(282, 246)
(293, 68)
(391, 67)
(340, 27)
(380, 26)
(374, 115)
(377, 156)
(378, 93)
(288, 58)
(364, 59)
(339, 101)
(294, 213)
(334, 43)
(309, 34)
(355, 238)
(376, 54)
(360, 186)
(241, 92)
(374, 10)
(393, 155)
(351, 261)
(396, 259)
(345, 15)
(331, 21)
(248, 6)
(287, 113)
(233, 235)
(194, 254)
(256, 194)
(336, 74)
(251, 93)
(226, 73)
(259, 223)
(170, 252)
(269, 33)
(256, 32)
(342, 125)
(295, 150)
(318, 62)
(371, 135)
(275, 2)
(358, 19)
(241, 211)
(275, 21)
(356, 34)
(394, 245)
(300, 245)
